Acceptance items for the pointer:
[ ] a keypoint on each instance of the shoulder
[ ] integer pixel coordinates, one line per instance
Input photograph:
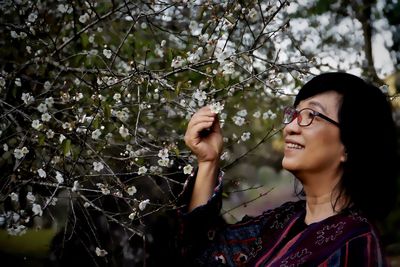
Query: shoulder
(362, 246)
(277, 217)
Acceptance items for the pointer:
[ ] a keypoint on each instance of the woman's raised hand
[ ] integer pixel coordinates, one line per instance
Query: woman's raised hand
(203, 135)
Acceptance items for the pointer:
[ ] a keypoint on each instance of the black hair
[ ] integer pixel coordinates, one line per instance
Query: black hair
(368, 133)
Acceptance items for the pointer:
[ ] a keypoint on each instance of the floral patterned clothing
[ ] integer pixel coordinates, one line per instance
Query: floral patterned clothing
(278, 237)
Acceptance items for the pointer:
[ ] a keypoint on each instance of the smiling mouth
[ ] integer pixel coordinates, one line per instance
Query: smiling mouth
(294, 146)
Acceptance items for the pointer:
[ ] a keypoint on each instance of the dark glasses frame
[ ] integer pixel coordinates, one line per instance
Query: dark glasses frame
(290, 113)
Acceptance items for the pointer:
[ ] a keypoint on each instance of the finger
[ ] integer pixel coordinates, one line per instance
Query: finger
(205, 111)
(200, 118)
(194, 132)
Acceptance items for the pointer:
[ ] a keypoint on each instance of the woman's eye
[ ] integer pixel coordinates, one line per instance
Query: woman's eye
(309, 114)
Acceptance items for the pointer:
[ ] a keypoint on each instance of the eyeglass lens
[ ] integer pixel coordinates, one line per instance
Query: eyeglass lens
(304, 116)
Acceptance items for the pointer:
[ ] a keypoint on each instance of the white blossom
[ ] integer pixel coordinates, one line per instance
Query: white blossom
(269, 115)
(32, 17)
(20, 153)
(132, 215)
(14, 196)
(83, 18)
(163, 153)
(155, 169)
(239, 121)
(194, 27)
(78, 96)
(228, 68)
(30, 197)
(200, 95)
(217, 107)
(101, 252)
(66, 125)
(122, 115)
(117, 97)
(242, 113)
(105, 190)
(15, 216)
(177, 62)
(107, 53)
(36, 124)
(204, 38)
(245, 136)
(124, 132)
(2, 82)
(163, 162)
(46, 117)
(98, 166)
(59, 177)
(75, 187)
(41, 173)
(159, 51)
(86, 204)
(257, 114)
(5, 147)
(64, 8)
(61, 138)
(27, 98)
(223, 55)
(16, 230)
(187, 169)
(143, 204)
(42, 108)
(49, 101)
(131, 190)
(37, 209)
(96, 134)
(50, 134)
(253, 15)
(142, 170)
(14, 35)
(225, 155)
(47, 85)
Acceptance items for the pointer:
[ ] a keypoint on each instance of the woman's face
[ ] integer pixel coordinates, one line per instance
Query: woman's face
(314, 149)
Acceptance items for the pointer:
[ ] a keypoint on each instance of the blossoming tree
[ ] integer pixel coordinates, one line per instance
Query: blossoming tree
(95, 97)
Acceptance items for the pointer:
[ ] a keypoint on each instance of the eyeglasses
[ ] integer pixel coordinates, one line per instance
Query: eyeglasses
(304, 116)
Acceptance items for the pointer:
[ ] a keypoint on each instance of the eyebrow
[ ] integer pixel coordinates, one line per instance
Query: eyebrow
(317, 104)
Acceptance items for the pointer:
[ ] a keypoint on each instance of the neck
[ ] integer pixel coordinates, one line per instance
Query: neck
(319, 208)
(321, 194)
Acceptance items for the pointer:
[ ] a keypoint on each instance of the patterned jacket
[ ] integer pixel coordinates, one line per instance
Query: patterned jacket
(274, 238)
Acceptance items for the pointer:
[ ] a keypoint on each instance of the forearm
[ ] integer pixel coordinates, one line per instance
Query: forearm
(204, 184)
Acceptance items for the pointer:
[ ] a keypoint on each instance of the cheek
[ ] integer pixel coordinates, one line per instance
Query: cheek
(328, 145)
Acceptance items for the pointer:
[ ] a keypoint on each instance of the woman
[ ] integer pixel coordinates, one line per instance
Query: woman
(340, 143)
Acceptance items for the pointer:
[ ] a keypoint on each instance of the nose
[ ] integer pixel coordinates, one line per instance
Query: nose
(292, 128)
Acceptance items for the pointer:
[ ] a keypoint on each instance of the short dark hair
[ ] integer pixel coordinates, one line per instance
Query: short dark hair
(368, 133)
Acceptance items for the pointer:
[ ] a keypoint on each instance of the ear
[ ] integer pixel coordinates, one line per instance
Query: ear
(343, 157)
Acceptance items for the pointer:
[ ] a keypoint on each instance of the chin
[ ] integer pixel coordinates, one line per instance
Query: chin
(286, 164)
(290, 166)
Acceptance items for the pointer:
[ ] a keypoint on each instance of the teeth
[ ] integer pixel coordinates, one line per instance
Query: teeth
(294, 146)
